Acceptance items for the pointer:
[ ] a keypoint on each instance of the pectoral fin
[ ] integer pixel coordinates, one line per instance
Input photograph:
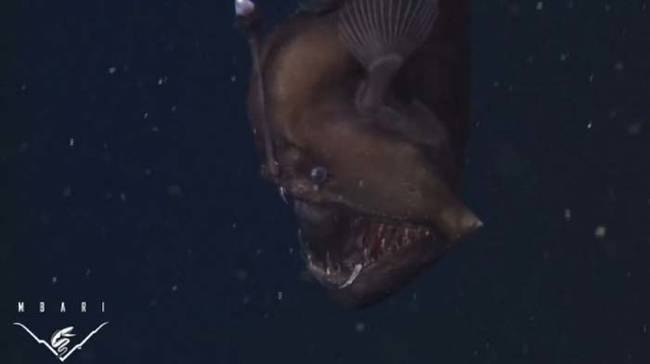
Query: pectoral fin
(382, 34)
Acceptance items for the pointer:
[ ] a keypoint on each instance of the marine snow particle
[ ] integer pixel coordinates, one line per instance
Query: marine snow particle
(112, 70)
(567, 215)
(619, 66)
(241, 274)
(540, 5)
(634, 128)
(174, 190)
(360, 327)
(54, 279)
(600, 232)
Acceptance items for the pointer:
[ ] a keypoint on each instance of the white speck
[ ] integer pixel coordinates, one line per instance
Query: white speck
(148, 172)
(540, 5)
(564, 57)
(173, 109)
(644, 329)
(54, 280)
(600, 232)
(567, 215)
(290, 251)
(280, 295)
(112, 70)
(162, 80)
(234, 225)
(259, 252)
(589, 125)
(155, 129)
(146, 115)
(71, 142)
(619, 66)
(23, 87)
(241, 274)
(634, 128)
(123, 197)
(591, 78)
(496, 84)
(175, 190)
(67, 191)
(360, 327)
(233, 78)
(88, 272)
(174, 288)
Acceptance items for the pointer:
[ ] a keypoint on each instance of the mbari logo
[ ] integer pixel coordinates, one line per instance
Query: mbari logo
(59, 342)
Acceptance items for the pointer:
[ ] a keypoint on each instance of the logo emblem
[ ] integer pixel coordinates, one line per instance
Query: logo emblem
(60, 340)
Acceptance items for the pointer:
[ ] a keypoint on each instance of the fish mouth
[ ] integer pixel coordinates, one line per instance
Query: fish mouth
(360, 258)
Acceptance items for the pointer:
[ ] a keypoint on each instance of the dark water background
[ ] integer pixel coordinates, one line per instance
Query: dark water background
(128, 174)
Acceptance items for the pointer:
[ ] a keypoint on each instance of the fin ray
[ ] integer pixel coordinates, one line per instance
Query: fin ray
(373, 29)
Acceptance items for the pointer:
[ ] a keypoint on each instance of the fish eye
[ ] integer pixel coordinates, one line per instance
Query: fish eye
(318, 175)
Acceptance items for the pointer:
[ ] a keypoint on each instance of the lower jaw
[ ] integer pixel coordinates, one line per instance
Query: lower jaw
(375, 276)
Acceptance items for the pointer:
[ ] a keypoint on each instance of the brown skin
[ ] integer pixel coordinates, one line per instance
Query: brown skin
(399, 163)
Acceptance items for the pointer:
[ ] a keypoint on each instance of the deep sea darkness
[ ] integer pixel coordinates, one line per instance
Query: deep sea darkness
(128, 175)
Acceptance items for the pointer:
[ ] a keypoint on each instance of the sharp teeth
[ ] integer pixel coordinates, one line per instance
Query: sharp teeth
(380, 231)
(283, 194)
(353, 276)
